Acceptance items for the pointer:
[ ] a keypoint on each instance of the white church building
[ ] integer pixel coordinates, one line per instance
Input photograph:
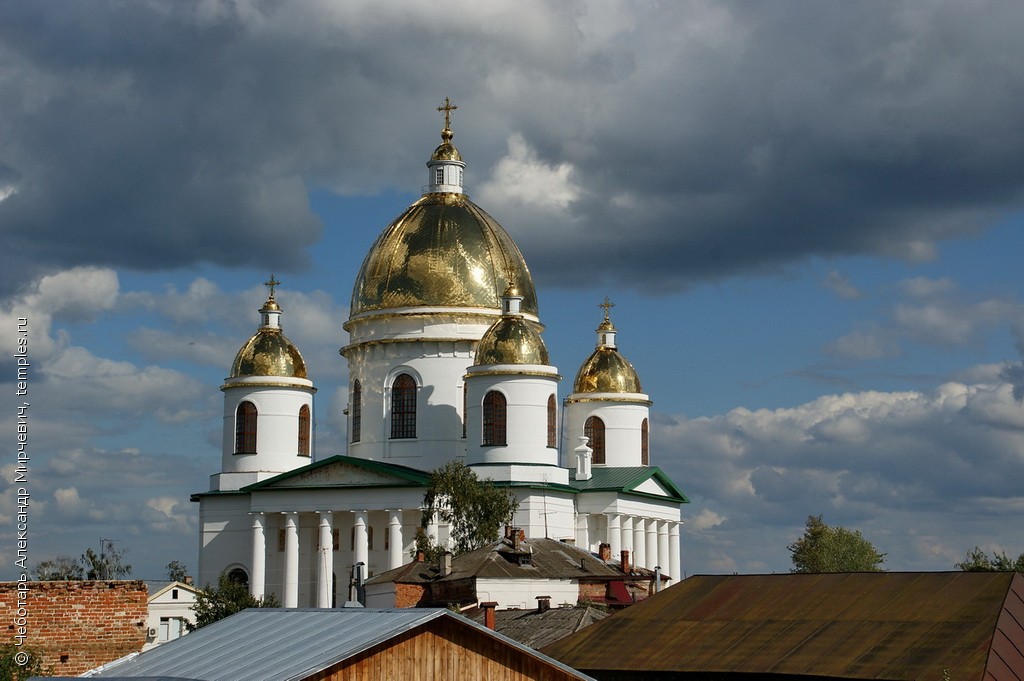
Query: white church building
(445, 362)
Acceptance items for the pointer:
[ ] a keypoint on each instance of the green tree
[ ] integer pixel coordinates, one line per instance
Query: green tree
(109, 564)
(824, 548)
(12, 670)
(57, 569)
(227, 598)
(476, 510)
(176, 571)
(977, 560)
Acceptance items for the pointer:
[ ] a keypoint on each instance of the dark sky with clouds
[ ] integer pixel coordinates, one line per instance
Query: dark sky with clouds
(791, 200)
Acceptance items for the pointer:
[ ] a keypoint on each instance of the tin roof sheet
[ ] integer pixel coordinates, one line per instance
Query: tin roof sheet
(847, 625)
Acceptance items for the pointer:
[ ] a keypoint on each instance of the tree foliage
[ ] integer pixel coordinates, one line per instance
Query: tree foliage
(475, 510)
(108, 564)
(176, 571)
(977, 560)
(227, 598)
(10, 669)
(58, 569)
(824, 548)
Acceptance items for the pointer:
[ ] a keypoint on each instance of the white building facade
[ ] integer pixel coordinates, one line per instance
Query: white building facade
(445, 362)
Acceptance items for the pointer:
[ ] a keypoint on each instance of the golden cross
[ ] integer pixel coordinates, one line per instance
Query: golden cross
(607, 305)
(447, 108)
(272, 284)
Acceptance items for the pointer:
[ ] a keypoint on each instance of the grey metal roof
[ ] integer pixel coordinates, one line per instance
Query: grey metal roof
(538, 629)
(278, 644)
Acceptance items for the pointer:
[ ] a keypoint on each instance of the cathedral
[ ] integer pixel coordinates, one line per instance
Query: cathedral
(445, 362)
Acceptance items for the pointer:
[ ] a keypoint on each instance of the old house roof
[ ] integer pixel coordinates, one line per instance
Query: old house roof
(959, 625)
(277, 644)
(547, 559)
(536, 628)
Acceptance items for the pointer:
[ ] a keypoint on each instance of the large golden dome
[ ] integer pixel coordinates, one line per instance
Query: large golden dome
(607, 371)
(511, 340)
(443, 251)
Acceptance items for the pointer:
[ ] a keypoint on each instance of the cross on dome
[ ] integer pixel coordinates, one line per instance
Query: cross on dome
(607, 305)
(272, 284)
(448, 107)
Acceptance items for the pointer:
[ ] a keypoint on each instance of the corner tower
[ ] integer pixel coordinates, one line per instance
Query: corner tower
(608, 405)
(268, 406)
(429, 288)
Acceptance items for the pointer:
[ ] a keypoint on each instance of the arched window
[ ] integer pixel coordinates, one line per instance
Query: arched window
(357, 410)
(238, 576)
(552, 422)
(594, 429)
(304, 430)
(645, 444)
(403, 407)
(245, 428)
(494, 418)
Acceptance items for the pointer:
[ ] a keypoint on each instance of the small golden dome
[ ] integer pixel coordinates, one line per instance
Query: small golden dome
(443, 251)
(446, 151)
(268, 353)
(511, 340)
(606, 371)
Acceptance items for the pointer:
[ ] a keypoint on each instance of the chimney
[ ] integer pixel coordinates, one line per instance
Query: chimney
(420, 556)
(583, 459)
(188, 579)
(489, 614)
(627, 568)
(543, 603)
(446, 563)
(604, 552)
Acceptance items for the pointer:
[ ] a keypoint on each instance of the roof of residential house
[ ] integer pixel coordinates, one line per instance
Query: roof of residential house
(885, 625)
(157, 588)
(277, 644)
(527, 559)
(536, 628)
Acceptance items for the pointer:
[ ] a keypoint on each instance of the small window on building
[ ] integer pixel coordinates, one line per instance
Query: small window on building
(494, 418)
(245, 428)
(465, 407)
(357, 410)
(403, 407)
(174, 594)
(645, 444)
(594, 429)
(552, 422)
(439, 176)
(239, 576)
(304, 428)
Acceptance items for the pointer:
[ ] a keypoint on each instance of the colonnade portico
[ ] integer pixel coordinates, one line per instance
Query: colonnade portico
(652, 542)
(320, 543)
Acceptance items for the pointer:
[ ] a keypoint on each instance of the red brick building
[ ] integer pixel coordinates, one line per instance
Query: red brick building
(79, 625)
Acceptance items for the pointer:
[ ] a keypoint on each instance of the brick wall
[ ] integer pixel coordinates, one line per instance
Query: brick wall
(79, 625)
(409, 595)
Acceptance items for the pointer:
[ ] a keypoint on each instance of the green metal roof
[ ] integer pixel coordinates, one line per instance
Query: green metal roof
(625, 480)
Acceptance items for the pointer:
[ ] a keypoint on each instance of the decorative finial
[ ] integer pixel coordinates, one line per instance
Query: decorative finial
(447, 109)
(607, 305)
(272, 284)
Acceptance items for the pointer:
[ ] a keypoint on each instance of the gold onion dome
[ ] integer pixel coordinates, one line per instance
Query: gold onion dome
(269, 352)
(443, 251)
(511, 339)
(606, 370)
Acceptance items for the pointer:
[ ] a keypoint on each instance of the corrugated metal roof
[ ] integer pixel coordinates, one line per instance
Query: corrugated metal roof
(538, 629)
(848, 625)
(277, 644)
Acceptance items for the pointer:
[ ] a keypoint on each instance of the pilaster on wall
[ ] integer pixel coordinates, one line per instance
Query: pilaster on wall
(80, 625)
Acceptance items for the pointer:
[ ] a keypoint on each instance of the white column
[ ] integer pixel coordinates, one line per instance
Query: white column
(258, 580)
(674, 567)
(652, 543)
(627, 535)
(395, 545)
(362, 547)
(325, 561)
(432, 530)
(639, 543)
(583, 531)
(663, 557)
(614, 534)
(291, 560)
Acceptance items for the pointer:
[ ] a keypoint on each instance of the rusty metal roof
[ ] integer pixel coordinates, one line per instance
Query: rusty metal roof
(849, 625)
